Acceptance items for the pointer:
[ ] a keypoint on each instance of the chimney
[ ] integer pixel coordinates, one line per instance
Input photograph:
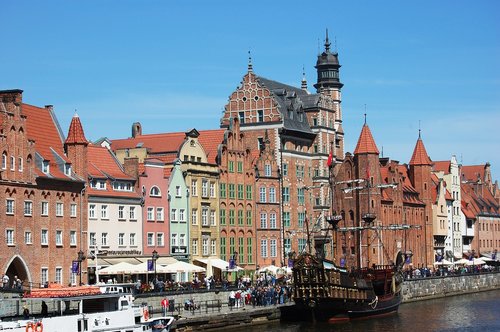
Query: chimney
(131, 166)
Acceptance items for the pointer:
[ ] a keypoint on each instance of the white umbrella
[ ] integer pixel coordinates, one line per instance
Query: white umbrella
(143, 268)
(476, 261)
(120, 268)
(443, 262)
(462, 261)
(183, 267)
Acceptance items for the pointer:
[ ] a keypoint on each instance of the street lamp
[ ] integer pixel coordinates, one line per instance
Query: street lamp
(81, 258)
(155, 256)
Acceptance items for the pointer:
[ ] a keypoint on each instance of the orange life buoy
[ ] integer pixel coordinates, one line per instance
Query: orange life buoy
(146, 314)
(29, 327)
(39, 326)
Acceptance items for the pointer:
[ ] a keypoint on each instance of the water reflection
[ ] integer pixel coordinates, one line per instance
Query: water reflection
(478, 312)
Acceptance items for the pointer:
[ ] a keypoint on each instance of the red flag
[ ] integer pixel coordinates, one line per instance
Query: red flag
(330, 159)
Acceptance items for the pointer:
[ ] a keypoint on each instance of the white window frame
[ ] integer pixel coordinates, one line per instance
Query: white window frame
(263, 220)
(10, 237)
(205, 246)
(59, 238)
(104, 212)
(28, 238)
(194, 217)
(213, 247)
(150, 213)
(213, 220)
(263, 248)
(204, 188)
(92, 239)
(159, 214)
(121, 239)
(132, 214)
(44, 209)
(182, 215)
(212, 189)
(204, 216)
(273, 248)
(10, 206)
(121, 212)
(73, 210)
(58, 275)
(272, 220)
(59, 209)
(72, 238)
(160, 242)
(150, 239)
(194, 247)
(28, 208)
(104, 239)
(131, 240)
(44, 275)
(92, 208)
(44, 237)
(194, 188)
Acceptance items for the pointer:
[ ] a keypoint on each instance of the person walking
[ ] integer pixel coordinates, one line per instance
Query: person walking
(164, 305)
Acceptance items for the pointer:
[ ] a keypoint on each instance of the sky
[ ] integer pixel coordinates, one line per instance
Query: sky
(172, 65)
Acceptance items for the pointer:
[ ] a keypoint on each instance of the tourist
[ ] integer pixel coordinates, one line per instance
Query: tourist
(5, 281)
(164, 305)
(45, 309)
(26, 312)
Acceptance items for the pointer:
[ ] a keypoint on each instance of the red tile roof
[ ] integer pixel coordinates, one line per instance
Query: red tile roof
(43, 128)
(156, 143)
(420, 156)
(103, 164)
(473, 172)
(75, 132)
(441, 166)
(366, 143)
(210, 140)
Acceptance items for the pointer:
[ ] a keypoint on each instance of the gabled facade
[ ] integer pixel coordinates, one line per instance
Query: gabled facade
(178, 197)
(237, 195)
(114, 208)
(302, 128)
(201, 175)
(268, 209)
(449, 171)
(154, 188)
(42, 197)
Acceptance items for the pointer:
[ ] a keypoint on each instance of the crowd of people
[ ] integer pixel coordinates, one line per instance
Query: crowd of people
(444, 271)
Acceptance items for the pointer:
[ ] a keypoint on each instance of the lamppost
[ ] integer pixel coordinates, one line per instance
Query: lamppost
(81, 258)
(155, 256)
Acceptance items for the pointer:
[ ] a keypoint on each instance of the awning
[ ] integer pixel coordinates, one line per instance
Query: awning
(108, 261)
(219, 264)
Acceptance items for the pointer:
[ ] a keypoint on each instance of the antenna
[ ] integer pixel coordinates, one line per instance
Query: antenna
(365, 114)
(419, 129)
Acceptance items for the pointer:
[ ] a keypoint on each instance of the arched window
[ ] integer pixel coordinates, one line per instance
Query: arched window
(155, 191)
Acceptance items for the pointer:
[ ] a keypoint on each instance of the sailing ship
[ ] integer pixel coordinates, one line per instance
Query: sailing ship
(325, 291)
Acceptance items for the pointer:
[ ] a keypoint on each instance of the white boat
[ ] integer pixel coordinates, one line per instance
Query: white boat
(89, 313)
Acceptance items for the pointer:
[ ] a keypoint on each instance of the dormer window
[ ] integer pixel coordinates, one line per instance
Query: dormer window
(45, 167)
(119, 186)
(67, 169)
(98, 184)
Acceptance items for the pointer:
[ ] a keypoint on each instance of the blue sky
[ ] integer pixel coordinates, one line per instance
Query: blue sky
(173, 64)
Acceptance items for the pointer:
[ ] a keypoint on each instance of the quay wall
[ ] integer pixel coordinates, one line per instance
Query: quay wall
(435, 287)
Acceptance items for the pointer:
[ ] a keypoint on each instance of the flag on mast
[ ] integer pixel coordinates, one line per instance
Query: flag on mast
(330, 159)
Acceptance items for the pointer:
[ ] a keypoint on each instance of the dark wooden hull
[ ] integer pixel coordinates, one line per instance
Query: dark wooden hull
(338, 309)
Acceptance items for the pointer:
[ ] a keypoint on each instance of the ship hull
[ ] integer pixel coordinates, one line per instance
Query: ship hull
(338, 309)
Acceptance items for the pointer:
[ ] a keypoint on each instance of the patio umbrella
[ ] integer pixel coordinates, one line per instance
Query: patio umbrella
(269, 269)
(476, 261)
(462, 261)
(183, 267)
(443, 262)
(120, 268)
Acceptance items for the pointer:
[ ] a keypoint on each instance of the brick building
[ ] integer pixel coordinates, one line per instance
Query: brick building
(302, 128)
(44, 201)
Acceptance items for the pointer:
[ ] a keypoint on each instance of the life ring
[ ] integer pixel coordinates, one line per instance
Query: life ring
(39, 326)
(29, 327)
(146, 314)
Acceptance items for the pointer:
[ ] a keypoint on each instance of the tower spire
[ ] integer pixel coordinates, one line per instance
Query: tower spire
(304, 81)
(327, 42)
(250, 66)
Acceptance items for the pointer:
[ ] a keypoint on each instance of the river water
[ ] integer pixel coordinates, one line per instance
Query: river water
(470, 312)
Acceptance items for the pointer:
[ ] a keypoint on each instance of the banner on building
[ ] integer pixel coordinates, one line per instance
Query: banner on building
(75, 267)
(151, 266)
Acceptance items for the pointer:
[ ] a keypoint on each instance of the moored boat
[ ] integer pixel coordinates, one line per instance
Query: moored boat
(86, 309)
